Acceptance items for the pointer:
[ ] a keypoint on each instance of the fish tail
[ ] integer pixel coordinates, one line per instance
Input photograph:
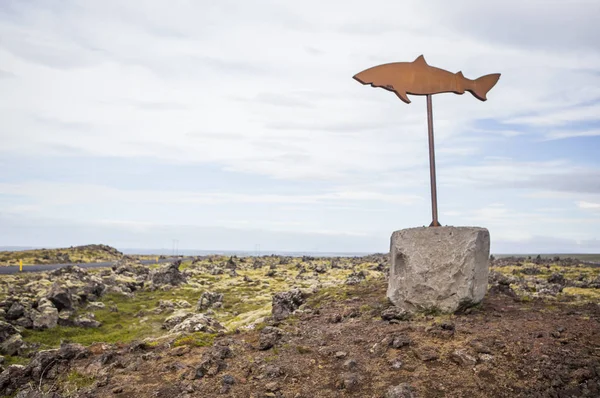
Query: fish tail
(480, 87)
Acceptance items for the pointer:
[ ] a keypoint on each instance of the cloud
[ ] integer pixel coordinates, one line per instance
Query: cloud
(451, 213)
(546, 244)
(539, 25)
(6, 75)
(561, 117)
(368, 28)
(457, 151)
(160, 105)
(588, 205)
(67, 193)
(140, 52)
(338, 126)
(313, 51)
(262, 92)
(492, 212)
(42, 232)
(502, 173)
(60, 124)
(510, 224)
(277, 99)
(558, 135)
(585, 181)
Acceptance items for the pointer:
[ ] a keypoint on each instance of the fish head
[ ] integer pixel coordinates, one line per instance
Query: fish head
(369, 77)
(375, 77)
(386, 76)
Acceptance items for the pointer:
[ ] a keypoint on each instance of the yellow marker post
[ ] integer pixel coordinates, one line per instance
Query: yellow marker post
(20, 265)
(157, 259)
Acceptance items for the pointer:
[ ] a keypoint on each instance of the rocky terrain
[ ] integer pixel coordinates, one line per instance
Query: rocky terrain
(295, 327)
(78, 254)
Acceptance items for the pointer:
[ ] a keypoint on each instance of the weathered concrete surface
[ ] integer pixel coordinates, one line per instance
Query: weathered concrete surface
(443, 268)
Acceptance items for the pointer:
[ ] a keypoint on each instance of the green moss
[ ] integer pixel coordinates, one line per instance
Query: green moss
(290, 321)
(152, 344)
(432, 311)
(590, 294)
(122, 326)
(365, 308)
(248, 317)
(260, 326)
(569, 272)
(244, 303)
(15, 360)
(198, 339)
(75, 381)
(303, 350)
(184, 265)
(107, 334)
(332, 293)
(525, 298)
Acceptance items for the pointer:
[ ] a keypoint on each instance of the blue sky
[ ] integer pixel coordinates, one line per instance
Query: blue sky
(230, 124)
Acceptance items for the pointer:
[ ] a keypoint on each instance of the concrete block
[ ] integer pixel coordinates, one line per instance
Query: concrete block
(438, 268)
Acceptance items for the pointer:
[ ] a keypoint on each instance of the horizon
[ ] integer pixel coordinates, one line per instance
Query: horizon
(316, 253)
(234, 125)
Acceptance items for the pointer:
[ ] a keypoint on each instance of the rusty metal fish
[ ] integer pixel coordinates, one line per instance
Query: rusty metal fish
(418, 78)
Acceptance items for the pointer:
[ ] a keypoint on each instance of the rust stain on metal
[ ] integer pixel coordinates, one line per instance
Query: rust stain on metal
(418, 78)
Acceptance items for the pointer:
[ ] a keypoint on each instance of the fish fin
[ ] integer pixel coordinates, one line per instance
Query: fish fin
(481, 86)
(420, 60)
(461, 81)
(403, 96)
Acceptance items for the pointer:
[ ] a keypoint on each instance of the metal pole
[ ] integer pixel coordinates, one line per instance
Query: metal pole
(434, 212)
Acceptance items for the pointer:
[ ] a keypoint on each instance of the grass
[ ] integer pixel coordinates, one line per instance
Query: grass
(15, 360)
(527, 290)
(75, 381)
(327, 294)
(590, 294)
(244, 303)
(248, 317)
(198, 339)
(545, 272)
(122, 326)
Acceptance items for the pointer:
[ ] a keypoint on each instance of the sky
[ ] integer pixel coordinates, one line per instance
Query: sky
(230, 124)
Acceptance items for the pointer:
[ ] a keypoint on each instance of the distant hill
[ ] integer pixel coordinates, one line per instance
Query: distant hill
(589, 257)
(16, 248)
(75, 254)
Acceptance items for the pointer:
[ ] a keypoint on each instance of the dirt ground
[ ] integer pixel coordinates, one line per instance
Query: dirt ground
(341, 347)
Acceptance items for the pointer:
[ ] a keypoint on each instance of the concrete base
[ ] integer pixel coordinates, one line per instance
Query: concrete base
(439, 268)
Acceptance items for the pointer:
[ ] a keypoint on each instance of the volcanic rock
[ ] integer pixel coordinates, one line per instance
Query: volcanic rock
(285, 303)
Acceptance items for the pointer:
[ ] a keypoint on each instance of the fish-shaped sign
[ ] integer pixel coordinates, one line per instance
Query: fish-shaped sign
(418, 78)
